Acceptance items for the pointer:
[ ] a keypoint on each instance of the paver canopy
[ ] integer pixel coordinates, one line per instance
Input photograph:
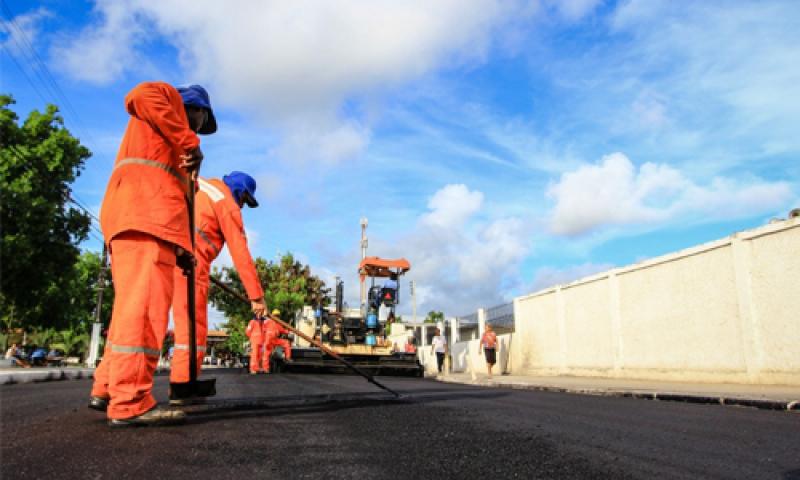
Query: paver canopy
(382, 267)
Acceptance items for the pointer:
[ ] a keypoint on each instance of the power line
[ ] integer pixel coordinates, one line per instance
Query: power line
(24, 73)
(42, 71)
(68, 198)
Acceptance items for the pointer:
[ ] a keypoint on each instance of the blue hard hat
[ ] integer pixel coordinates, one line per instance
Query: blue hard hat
(243, 188)
(196, 96)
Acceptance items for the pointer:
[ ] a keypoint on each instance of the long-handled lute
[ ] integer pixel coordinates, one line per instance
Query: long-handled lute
(313, 341)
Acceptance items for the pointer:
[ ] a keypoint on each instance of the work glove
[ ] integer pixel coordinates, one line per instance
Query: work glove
(191, 161)
(185, 261)
(259, 307)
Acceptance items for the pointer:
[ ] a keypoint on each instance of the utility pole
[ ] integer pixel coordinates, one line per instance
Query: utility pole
(94, 346)
(364, 243)
(413, 289)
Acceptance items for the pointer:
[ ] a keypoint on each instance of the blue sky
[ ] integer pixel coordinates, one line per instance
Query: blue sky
(500, 146)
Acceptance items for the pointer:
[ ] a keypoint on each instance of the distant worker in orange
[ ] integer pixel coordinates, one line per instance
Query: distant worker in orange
(273, 338)
(145, 221)
(255, 332)
(218, 220)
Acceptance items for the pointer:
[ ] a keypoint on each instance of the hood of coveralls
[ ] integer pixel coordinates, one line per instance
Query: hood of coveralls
(243, 188)
(196, 96)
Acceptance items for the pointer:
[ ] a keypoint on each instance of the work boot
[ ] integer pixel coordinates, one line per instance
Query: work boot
(156, 417)
(98, 403)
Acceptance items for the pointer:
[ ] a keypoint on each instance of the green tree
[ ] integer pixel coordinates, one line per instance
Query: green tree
(81, 288)
(288, 285)
(72, 342)
(40, 230)
(434, 316)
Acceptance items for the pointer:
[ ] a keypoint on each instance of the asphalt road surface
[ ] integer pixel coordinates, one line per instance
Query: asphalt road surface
(339, 426)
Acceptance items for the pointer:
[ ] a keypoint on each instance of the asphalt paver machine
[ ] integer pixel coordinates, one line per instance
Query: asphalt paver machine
(360, 335)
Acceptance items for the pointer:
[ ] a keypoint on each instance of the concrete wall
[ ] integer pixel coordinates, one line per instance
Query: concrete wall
(726, 311)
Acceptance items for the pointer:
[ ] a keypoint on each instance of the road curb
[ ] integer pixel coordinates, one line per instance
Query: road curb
(31, 376)
(760, 403)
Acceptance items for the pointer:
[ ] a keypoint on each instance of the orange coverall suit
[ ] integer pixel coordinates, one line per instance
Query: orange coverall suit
(272, 332)
(218, 219)
(256, 335)
(143, 217)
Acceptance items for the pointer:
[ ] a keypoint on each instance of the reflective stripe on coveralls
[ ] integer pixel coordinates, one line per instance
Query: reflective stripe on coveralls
(152, 163)
(203, 235)
(130, 349)
(186, 347)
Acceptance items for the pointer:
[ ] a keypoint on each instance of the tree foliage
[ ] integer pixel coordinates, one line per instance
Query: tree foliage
(434, 317)
(288, 285)
(40, 230)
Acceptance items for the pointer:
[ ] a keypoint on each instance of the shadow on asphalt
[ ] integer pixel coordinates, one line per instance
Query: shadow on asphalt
(233, 408)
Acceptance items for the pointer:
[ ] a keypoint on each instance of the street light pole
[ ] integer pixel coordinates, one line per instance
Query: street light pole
(413, 301)
(94, 345)
(364, 243)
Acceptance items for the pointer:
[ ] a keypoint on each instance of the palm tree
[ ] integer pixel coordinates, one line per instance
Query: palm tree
(73, 342)
(43, 337)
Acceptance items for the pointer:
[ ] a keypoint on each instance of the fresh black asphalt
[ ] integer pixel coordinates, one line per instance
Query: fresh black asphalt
(340, 426)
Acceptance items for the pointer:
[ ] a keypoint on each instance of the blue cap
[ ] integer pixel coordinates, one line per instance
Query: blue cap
(243, 188)
(196, 96)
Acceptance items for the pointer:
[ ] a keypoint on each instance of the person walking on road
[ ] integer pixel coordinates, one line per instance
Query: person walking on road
(255, 332)
(273, 338)
(439, 347)
(489, 347)
(218, 220)
(145, 221)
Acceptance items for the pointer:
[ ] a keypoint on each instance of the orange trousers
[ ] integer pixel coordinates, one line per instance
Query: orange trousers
(142, 268)
(256, 353)
(179, 368)
(270, 346)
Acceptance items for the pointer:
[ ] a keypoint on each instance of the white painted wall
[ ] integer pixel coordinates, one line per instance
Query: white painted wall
(726, 311)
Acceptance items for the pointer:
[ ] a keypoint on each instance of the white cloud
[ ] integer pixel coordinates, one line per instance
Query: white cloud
(458, 261)
(295, 65)
(615, 192)
(102, 53)
(731, 65)
(452, 206)
(22, 32)
(574, 10)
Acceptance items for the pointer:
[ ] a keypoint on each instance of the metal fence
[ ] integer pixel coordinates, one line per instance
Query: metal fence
(501, 318)
(468, 327)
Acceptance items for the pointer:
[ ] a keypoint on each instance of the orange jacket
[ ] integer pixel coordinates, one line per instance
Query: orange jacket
(272, 329)
(218, 219)
(147, 189)
(254, 332)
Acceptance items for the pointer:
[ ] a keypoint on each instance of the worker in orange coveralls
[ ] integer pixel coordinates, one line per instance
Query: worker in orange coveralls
(272, 339)
(145, 221)
(255, 333)
(218, 220)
